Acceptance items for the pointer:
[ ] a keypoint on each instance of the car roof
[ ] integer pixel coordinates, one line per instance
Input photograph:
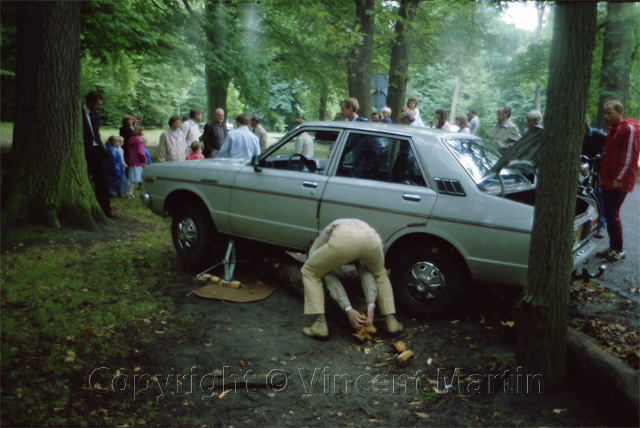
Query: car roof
(405, 130)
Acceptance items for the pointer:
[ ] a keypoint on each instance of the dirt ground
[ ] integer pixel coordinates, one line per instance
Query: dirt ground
(344, 382)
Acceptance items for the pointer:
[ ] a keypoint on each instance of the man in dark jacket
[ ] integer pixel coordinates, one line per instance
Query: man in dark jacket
(94, 151)
(593, 145)
(214, 135)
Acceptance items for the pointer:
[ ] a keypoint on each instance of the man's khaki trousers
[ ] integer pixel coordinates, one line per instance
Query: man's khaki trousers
(346, 244)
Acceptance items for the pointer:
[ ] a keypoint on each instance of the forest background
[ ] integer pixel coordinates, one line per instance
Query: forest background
(287, 59)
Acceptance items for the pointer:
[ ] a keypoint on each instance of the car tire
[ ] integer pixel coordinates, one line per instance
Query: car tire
(429, 282)
(193, 236)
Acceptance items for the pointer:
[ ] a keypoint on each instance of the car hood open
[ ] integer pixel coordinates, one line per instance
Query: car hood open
(524, 155)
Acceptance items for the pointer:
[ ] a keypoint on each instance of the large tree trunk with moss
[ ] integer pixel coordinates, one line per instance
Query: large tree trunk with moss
(217, 77)
(616, 56)
(47, 181)
(544, 308)
(399, 63)
(217, 91)
(359, 59)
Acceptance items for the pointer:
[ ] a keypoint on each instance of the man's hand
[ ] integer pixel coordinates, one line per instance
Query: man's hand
(356, 319)
(370, 311)
(616, 184)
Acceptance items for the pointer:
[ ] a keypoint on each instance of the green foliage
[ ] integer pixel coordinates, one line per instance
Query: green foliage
(496, 63)
(281, 58)
(72, 302)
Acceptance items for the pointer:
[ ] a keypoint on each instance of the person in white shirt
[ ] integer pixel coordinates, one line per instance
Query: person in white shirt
(474, 121)
(190, 128)
(463, 124)
(172, 146)
(260, 132)
(240, 142)
(304, 142)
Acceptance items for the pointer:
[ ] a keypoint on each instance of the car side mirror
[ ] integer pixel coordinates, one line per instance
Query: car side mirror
(255, 161)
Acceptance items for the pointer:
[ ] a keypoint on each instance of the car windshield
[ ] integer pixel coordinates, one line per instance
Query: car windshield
(477, 157)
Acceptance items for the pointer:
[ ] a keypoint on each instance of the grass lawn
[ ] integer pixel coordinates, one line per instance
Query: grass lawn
(73, 301)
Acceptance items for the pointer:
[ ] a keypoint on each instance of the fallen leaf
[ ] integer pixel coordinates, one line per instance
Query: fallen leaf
(421, 415)
(508, 323)
(70, 356)
(366, 334)
(405, 355)
(400, 346)
(224, 394)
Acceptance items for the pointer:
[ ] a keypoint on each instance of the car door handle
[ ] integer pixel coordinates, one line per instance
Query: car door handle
(409, 197)
(309, 184)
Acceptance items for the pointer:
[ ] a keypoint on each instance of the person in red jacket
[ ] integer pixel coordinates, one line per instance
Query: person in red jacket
(618, 173)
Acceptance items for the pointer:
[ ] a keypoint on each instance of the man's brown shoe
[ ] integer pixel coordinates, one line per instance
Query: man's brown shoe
(318, 330)
(393, 326)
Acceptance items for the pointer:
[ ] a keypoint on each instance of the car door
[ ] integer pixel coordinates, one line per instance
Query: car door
(379, 180)
(277, 202)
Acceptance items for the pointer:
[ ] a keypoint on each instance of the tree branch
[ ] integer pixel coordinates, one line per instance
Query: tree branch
(187, 6)
(156, 5)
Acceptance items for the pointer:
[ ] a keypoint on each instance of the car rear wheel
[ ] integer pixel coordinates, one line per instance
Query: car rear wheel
(429, 282)
(193, 236)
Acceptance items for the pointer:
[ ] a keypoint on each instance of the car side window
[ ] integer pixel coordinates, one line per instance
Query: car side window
(381, 159)
(307, 150)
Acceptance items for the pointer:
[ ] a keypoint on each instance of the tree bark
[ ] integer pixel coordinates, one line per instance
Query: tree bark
(47, 181)
(217, 77)
(399, 63)
(322, 109)
(359, 59)
(544, 305)
(616, 56)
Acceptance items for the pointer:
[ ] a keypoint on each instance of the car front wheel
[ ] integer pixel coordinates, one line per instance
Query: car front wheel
(429, 282)
(193, 236)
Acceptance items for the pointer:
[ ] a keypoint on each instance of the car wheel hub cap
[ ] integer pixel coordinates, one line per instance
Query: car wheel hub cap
(187, 234)
(425, 281)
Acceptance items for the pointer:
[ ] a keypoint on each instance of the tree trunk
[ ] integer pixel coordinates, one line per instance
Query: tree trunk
(47, 181)
(454, 101)
(616, 56)
(359, 59)
(399, 63)
(545, 301)
(322, 109)
(217, 77)
(217, 90)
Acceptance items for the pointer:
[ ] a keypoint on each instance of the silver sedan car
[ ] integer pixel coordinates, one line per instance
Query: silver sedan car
(451, 212)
